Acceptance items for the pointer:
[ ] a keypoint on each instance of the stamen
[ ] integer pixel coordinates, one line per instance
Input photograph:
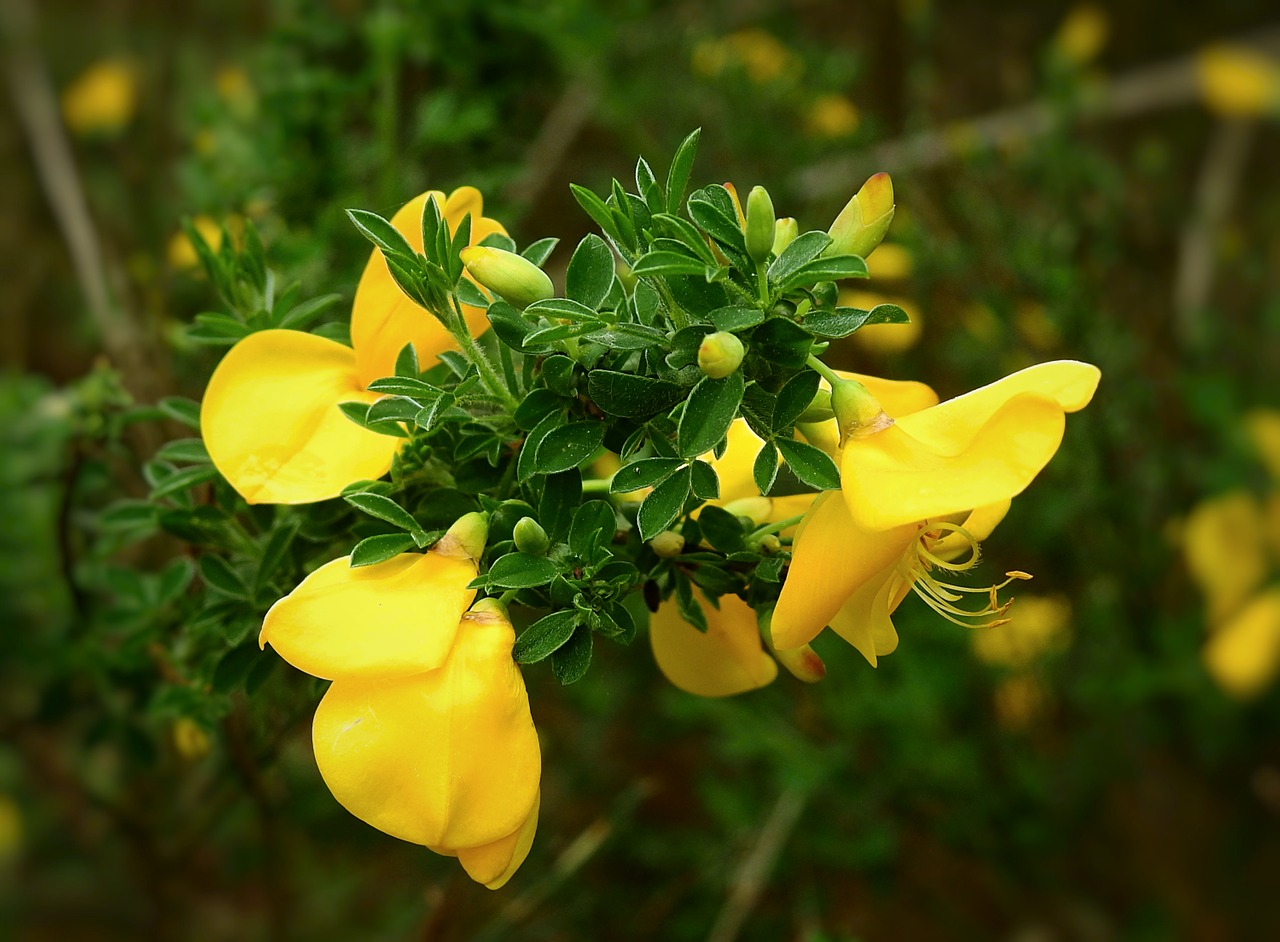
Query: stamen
(916, 565)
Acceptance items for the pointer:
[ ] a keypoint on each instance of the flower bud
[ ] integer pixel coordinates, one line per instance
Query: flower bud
(720, 354)
(857, 412)
(513, 277)
(760, 225)
(785, 231)
(770, 543)
(530, 537)
(668, 544)
(466, 538)
(864, 221)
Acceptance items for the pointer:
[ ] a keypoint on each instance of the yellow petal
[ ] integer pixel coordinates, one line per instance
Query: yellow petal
(391, 619)
(864, 620)
(832, 559)
(1243, 655)
(728, 658)
(979, 524)
(1225, 546)
(734, 466)
(496, 863)
(900, 475)
(448, 758)
(271, 421)
(383, 319)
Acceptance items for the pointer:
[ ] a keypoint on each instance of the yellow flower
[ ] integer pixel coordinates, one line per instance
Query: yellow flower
(757, 53)
(1225, 547)
(270, 416)
(182, 254)
(917, 493)
(425, 732)
(191, 740)
(1236, 81)
(102, 99)
(1243, 654)
(1037, 625)
(832, 116)
(10, 829)
(1082, 34)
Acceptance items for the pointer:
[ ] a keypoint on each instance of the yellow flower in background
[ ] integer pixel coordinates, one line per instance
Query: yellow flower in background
(234, 88)
(1237, 81)
(270, 416)
(190, 739)
(759, 54)
(917, 493)
(102, 99)
(1082, 34)
(832, 116)
(182, 254)
(1036, 327)
(884, 339)
(1263, 427)
(425, 732)
(1019, 701)
(1225, 547)
(1036, 626)
(10, 829)
(1243, 653)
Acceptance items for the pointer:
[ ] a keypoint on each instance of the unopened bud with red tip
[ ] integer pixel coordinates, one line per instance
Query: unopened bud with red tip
(858, 413)
(720, 354)
(466, 538)
(864, 221)
(785, 231)
(803, 662)
(760, 225)
(668, 544)
(529, 536)
(512, 277)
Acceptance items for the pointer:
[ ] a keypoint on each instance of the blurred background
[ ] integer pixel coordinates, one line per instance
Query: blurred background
(1092, 181)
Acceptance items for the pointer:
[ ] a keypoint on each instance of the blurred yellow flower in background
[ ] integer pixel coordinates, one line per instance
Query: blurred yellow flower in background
(102, 99)
(182, 254)
(1019, 700)
(759, 54)
(190, 739)
(1082, 34)
(1236, 81)
(10, 829)
(1037, 625)
(832, 116)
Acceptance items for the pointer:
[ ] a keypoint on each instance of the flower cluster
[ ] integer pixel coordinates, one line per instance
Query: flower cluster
(664, 437)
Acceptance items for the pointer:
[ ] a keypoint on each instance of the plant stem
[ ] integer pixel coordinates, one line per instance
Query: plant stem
(597, 485)
(457, 325)
(826, 372)
(774, 527)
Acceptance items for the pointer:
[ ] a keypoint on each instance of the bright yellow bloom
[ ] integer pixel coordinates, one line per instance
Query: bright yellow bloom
(425, 732)
(728, 658)
(1236, 81)
(270, 416)
(917, 493)
(102, 99)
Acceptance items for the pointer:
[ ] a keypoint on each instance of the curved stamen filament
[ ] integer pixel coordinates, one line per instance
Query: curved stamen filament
(941, 596)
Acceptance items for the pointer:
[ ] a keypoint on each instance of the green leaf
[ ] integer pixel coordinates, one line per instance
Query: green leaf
(712, 209)
(469, 293)
(595, 207)
(558, 374)
(563, 308)
(663, 263)
(765, 468)
(721, 529)
(736, 318)
(540, 251)
(627, 337)
(783, 342)
(509, 324)
(590, 273)
(793, 398)
(545, 636)
(181, 409)
(631, 396)
(831, 268)
(521, 571)
(184, 480)
(378, 549)
(643, 473)
(594, 524)
(688, 605)
(800, 252)
(561, 494)
(526, 464)
(405, 386)
(681, 167)
(273, 553)
(387, 510)
(686, 234)
(569, 446)
(536, 406)
(663, 504)
(407, 361)
(845, 320)
(572, 660)
(217, 572)
(127, 515)
(393, 409)
(303, 314)
(184, 450)
(381, 233)
(811, 465)
(704, 480)
(708, 413)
